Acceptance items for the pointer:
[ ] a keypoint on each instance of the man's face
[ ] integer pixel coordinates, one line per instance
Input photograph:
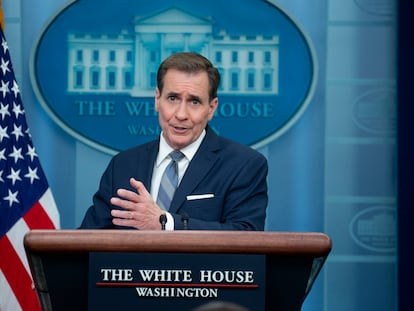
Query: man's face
(183, 107)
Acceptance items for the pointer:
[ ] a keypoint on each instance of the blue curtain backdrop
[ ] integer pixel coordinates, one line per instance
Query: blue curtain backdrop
(334, 171)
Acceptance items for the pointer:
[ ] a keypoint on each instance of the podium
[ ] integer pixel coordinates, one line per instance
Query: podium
(71, 269)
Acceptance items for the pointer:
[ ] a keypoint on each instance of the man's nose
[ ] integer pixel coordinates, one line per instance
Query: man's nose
(181, 112)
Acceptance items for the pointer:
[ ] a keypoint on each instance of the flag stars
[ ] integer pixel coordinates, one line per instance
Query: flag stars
(32, 175)
(14, 176)
(4, 111)
(4, 88)
(12, 198)
(17, 132)
(31, 152)
(3, 133)
(27, 132)
(17, 110)
(4, 45)
(15, 89)
(2, 154)
(4, 66)
(16, 154)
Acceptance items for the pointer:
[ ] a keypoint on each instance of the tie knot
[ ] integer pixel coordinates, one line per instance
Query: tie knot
(176, 155)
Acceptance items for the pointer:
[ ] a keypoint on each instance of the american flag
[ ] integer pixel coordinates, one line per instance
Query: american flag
(26, 201)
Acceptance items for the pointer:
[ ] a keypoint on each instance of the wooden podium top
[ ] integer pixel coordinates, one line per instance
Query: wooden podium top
(244, 242)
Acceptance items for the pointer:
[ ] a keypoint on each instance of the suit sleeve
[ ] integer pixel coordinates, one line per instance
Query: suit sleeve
(116, 175)
(98, 216)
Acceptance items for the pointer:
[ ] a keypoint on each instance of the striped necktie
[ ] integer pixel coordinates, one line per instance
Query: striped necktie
(169, 181)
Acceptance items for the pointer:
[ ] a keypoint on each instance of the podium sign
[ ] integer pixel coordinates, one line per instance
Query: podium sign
(145, 281)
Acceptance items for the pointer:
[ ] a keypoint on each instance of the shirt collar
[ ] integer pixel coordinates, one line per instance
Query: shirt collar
(189, 151)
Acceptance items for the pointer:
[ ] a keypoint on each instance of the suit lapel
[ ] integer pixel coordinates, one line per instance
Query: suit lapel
(199, 166)
(148, 158)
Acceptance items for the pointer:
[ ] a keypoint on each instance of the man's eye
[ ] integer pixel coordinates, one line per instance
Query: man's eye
(172, 98)
(195, 102)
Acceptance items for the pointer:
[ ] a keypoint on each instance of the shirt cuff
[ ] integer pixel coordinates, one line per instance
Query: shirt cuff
(169, 226)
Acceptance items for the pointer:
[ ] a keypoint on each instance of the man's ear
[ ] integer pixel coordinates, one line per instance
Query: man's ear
(157, 98)
(213, 106)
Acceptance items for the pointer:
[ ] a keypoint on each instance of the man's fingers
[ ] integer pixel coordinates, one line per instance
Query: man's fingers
(122, 214)
(139, 186)
(127, 195)
(124, 203)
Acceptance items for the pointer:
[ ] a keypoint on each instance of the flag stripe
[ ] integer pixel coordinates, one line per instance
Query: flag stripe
(17, 277)
(7, 299)
(48, 202)
(37, 218)
(15, 236)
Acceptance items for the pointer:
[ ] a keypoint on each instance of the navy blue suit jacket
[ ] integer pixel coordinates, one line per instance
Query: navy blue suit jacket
(233, 173)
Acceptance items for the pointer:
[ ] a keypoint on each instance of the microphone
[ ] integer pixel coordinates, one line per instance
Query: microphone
(184, 219)
(163, 221)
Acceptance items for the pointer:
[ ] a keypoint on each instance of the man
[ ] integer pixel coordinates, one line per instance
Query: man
(222, 184)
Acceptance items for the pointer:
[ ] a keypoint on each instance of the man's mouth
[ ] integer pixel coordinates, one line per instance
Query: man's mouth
(179, 129)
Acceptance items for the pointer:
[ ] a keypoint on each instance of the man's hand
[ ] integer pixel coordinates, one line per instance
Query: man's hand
(139, 209)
